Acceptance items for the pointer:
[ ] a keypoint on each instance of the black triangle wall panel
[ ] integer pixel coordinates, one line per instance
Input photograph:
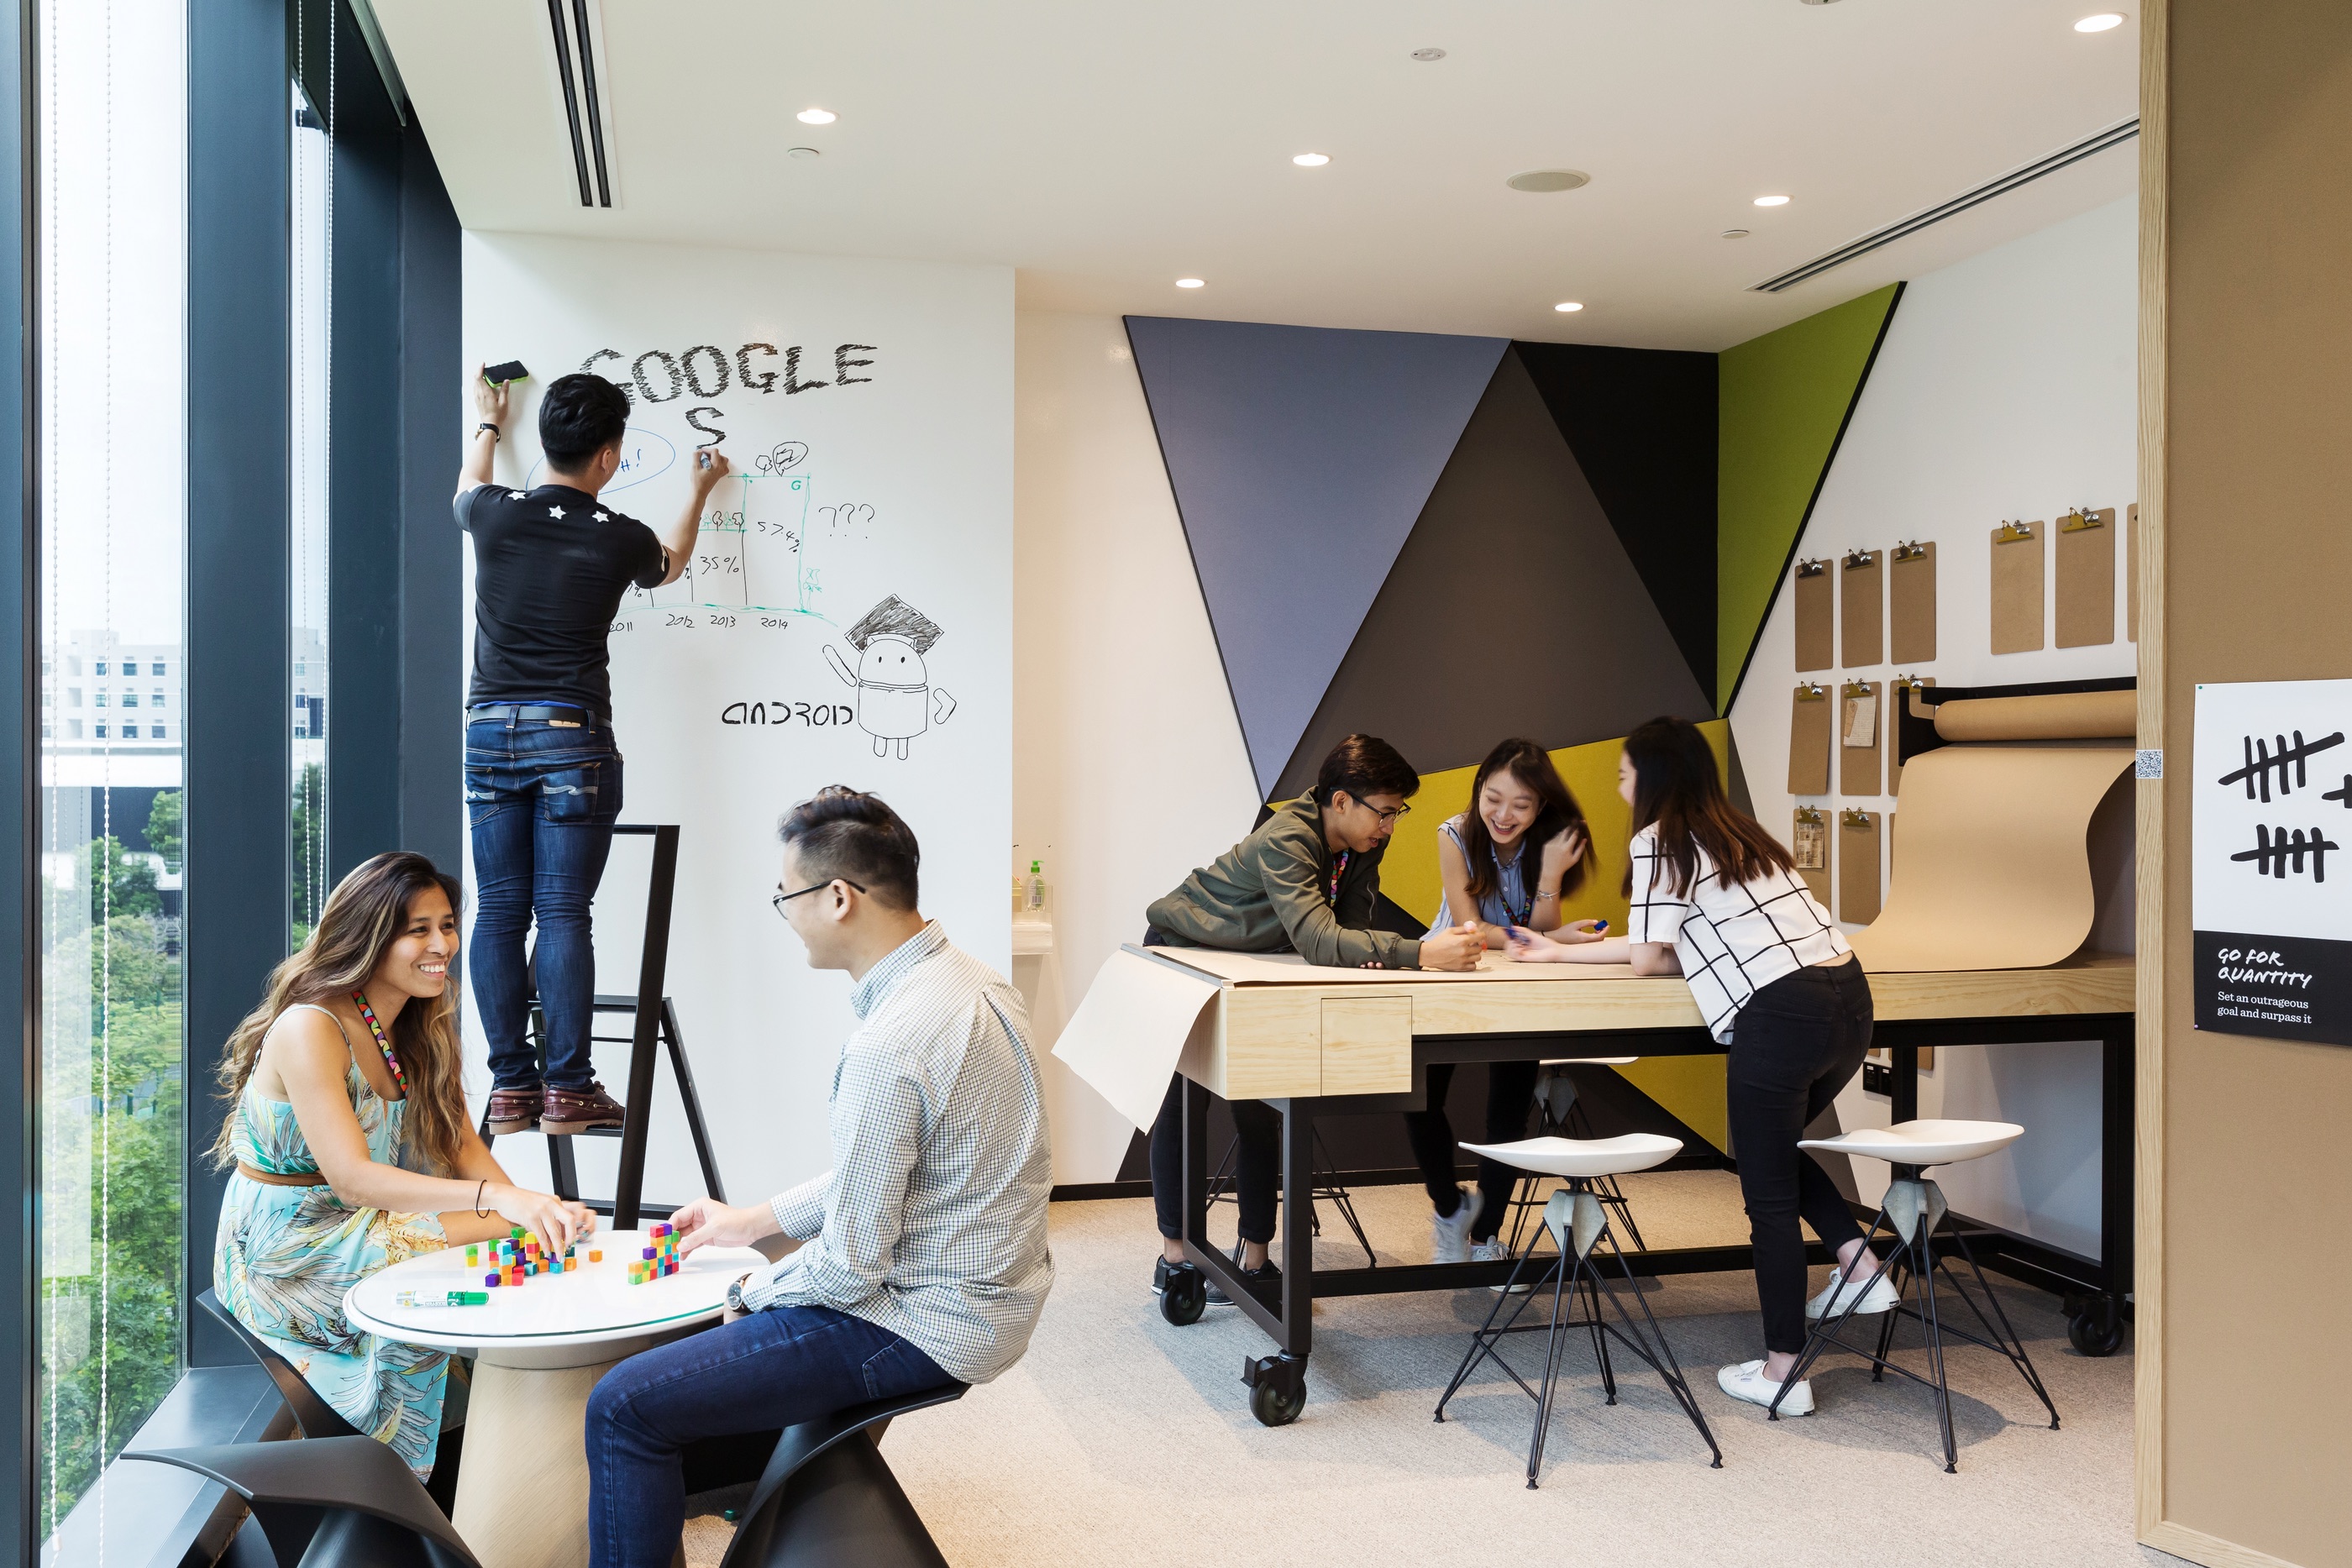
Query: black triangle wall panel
(1641, 423)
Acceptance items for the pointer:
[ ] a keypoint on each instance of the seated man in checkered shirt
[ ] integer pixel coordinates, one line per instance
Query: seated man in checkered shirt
(922, 1257)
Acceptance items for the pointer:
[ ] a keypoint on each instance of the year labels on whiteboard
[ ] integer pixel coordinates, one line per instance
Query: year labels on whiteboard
(2271, 885)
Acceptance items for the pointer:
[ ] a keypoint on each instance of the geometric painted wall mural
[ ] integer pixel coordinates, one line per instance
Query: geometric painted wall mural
(1514, 607)
(1445, 541)
(1299, 457)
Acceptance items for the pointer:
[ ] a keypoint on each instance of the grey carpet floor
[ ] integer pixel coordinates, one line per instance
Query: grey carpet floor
(1120, 1438)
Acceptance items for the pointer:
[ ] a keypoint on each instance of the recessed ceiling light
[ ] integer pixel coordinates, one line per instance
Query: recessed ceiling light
(1771, 201)
(1191, 282)
(800, 153)
(1429, 54)
(1549, 180)
(1312, 160)
(1569, 305)
(1735, 233)
(816, 117)
(2101, 23)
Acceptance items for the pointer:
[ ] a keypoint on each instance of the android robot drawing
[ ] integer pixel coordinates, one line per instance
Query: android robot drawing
(896, 699)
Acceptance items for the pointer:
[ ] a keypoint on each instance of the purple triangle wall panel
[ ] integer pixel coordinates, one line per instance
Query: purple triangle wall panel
(1300, 457)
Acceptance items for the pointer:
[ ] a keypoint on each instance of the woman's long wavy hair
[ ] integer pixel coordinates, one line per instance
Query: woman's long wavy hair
(1556, 810)
(364, 915)
(1677, 786)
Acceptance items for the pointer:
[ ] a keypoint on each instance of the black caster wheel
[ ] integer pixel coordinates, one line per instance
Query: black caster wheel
(1277, 1389)
(2097, 1328)
(1185, 1296)
(1275, 1407)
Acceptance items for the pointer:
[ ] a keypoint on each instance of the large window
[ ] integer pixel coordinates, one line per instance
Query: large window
(110, 264)
(310, 327)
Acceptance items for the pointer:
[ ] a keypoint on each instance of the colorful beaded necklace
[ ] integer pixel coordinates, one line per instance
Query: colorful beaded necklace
(359, 999)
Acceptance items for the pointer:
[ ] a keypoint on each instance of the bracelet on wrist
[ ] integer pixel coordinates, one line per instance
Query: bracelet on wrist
(496, 433)
(479, 1212)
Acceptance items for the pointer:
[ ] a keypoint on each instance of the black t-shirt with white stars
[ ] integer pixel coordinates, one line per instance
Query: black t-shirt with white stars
(550, 567)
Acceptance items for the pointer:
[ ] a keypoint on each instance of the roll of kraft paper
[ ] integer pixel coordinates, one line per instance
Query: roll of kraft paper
(2059, 716)
(1995, 872)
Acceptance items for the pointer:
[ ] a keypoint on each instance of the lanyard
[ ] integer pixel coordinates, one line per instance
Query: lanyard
(1338, 870)
(1525, 909)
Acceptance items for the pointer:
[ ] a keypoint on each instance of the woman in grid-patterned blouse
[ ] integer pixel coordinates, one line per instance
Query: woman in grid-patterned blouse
(1716, 899)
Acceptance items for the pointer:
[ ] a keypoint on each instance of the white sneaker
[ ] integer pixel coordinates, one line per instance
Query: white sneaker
(1496, 1252)
(1449, 1234)
(1746, 1381)
(1878, 1296)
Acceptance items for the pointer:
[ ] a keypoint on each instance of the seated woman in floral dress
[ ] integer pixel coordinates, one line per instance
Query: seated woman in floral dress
(354, 1149)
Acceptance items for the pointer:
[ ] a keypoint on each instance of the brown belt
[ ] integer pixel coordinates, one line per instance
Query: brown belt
(272, 1178)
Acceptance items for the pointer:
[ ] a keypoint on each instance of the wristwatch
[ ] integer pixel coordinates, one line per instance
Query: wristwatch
(495, 432)
(735, 1293)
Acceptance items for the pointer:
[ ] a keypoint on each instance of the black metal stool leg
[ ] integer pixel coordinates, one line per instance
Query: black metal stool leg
(1334, 1192)
(1555, 1345)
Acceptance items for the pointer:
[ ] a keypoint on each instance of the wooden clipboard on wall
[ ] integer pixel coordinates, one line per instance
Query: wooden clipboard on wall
(1911, 604)
(1898, 700)
(1862, 609)
(1858, 866)
(1809, 841)
(1816, 622)
(1812, 735)
(2086, 577)
(1861, 711)
(2017, 588)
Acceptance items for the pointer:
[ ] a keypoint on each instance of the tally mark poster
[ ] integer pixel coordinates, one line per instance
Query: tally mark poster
(2270, 882)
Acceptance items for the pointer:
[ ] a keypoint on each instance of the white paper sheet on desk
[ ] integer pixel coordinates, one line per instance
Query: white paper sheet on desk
(1128, 1033)
(1290, 968)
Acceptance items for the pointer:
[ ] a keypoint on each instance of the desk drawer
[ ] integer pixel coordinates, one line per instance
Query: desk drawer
(1368, 1044)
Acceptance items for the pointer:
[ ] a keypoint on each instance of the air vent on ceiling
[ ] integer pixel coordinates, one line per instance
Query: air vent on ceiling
(2114, 135)
(578, 71)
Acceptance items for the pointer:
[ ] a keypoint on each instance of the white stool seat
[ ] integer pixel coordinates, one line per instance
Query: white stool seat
(1587, 1060)
(1583, 1157)
(1923, 1143)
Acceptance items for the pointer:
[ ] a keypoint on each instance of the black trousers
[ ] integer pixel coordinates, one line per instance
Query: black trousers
(1511, 1095)
(1257, 1173)
(1796, 1043)
(1257, 1169)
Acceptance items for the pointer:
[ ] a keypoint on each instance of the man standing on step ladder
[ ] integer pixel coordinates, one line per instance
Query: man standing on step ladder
(542, 769)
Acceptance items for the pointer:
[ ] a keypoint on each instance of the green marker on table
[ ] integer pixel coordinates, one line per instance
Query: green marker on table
(449, 1299)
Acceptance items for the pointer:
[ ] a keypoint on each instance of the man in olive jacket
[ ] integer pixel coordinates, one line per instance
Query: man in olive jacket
(1305, 882)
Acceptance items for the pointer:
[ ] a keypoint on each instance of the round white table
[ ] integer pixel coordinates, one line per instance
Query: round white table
(540, 1347)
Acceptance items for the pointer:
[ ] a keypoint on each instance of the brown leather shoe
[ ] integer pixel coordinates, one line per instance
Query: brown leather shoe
(577, 1110)
(514, 1109)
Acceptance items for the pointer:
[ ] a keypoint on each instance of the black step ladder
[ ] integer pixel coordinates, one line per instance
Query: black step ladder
(653, 1018)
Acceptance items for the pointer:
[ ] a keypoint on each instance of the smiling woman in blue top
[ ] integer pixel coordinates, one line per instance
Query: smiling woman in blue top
(1508, 861)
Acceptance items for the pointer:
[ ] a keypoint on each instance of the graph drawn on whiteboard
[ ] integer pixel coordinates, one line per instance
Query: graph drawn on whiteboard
(756, 556)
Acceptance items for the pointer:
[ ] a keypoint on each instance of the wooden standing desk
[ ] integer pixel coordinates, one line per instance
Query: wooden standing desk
(1323, 1042)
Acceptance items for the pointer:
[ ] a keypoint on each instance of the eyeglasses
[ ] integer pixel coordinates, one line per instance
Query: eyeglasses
(1386, 817)
(783, 898)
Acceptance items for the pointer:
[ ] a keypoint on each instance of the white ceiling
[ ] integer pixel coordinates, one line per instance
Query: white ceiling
(1104, 150)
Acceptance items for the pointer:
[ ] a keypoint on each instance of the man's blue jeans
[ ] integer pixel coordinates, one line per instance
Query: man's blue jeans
(776, 1368)
(541, 799)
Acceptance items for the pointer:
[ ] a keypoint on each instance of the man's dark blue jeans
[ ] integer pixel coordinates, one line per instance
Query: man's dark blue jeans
(541, 799)
(776, 1368)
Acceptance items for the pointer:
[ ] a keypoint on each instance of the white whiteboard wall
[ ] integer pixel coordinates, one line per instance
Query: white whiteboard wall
(870, 406)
